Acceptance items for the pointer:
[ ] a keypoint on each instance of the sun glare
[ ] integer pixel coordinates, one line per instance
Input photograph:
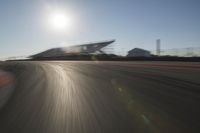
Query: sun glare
(60, 21)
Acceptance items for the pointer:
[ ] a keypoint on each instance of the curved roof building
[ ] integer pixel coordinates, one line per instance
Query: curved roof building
(77, 49)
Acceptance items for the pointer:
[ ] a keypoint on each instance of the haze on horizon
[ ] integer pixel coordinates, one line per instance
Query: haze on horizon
(29, 26)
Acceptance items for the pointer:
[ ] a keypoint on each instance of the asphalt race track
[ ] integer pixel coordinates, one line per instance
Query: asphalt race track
(101, 97)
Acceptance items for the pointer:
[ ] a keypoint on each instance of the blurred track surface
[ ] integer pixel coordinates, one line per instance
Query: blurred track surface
(102, 97)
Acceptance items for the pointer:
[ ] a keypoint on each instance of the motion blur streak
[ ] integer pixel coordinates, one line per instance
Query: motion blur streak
(6, 86)
(100, 97)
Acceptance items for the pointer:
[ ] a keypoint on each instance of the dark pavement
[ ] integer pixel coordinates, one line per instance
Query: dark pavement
(102, 97)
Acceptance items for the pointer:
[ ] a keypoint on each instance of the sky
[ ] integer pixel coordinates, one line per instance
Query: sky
(25, 30)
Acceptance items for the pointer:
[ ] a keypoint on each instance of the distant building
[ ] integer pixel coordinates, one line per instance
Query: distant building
(137, 52)
(77, 49)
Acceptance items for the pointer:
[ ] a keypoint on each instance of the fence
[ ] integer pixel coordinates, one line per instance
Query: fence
(180, 52)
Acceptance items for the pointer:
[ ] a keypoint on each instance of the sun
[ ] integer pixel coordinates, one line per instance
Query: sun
(60, 21)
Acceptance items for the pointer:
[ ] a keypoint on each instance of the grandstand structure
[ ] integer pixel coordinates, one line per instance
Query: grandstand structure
(90, 48)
